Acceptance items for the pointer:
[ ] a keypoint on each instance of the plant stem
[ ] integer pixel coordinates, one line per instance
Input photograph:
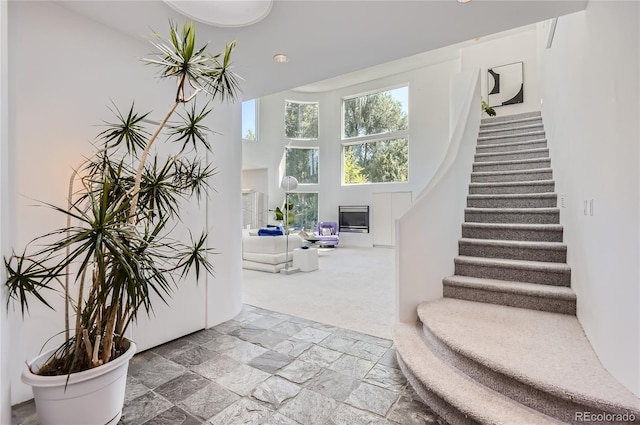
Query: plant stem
(67, 297)
(143, 158)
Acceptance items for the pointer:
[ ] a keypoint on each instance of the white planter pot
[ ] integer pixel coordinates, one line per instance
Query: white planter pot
(92, 397)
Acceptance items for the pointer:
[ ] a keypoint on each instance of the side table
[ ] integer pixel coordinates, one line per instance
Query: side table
(305, 259)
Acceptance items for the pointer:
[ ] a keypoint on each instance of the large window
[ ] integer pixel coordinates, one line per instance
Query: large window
(250, 120)
(305, 210)
(375, 146)
(301, 120)
(302, 163)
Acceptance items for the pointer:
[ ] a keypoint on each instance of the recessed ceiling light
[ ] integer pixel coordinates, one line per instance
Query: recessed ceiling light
(464, 1)
(223, 13)
(280, 58)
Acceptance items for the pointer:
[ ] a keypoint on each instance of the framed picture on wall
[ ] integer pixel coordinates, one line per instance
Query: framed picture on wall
(505, 85)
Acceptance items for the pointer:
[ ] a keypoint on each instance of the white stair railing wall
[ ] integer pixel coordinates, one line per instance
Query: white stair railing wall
(427, 234)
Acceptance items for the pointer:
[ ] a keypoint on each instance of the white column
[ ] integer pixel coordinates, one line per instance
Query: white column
(224, 216)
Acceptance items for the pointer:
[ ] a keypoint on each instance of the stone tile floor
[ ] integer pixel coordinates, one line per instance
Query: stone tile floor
(268, 368)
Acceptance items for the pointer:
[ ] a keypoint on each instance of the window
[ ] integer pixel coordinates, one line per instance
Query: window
(302, 163)
(250, 120)
(305, 210)
(375, 137)
(301, 120)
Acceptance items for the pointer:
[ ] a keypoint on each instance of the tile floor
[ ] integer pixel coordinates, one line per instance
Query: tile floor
(267, 368)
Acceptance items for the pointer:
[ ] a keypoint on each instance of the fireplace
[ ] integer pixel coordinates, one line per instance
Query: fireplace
(354, 218)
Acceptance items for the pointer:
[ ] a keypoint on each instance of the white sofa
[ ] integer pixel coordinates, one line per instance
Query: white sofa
(267, 253)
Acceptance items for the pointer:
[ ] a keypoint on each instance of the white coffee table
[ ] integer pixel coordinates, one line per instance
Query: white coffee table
(305, 259)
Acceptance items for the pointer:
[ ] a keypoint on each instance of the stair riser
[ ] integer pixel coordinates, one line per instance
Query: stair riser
(511, 300)
(542, 277)
(537, 202)
(508, 131)
(512, 217)
(529, 165)
(490, 140)
(512, 253)
(509, 147)
(449, 413)
(512, 235)
(512, 177)
(513, 156)
(541, 401)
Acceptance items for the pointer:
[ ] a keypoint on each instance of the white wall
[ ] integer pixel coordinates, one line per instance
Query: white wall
(520, 47)
(428, 123)
(64, 69)
(589, 82)
(5, 383)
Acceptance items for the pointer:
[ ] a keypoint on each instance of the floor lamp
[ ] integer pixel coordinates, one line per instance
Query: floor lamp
(288, 183)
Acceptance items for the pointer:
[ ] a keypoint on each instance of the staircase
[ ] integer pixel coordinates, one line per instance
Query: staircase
(511, 251)
(504, 346)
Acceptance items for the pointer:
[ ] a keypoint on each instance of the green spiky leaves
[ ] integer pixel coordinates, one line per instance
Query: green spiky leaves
(178, 57)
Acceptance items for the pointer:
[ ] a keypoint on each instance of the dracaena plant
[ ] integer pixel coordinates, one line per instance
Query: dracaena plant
(117, 250)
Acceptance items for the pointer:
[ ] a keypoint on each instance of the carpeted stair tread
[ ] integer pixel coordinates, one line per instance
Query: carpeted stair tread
(512, 200)
(524, 288)
(524, 127)
(515, 226)
(475, 402)
(514, 264)
(512, 215)
(512, 165)
(505, 156)
(512, 146)
(515, 231)
(533, 210)
(530, 135)
(509, 176)
(515, 187)
(516, 244)
(546, 351)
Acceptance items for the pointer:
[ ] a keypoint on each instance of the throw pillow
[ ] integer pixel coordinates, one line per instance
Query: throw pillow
(327, 231)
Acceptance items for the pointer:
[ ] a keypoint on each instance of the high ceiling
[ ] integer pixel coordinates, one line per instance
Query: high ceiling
(329, 38)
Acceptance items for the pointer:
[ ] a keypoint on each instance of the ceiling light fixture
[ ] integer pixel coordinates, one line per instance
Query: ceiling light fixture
(281, 58)
(223, 13)
(464, 1)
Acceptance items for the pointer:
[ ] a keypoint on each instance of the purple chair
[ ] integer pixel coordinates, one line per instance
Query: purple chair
(327, 233)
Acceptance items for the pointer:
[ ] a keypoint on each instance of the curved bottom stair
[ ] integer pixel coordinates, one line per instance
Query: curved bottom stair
(492, 364)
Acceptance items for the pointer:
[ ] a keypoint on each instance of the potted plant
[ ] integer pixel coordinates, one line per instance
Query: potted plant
(117, 249)
(279, 214)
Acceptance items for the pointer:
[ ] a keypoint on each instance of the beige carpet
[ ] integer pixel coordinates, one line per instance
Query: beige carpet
(353, 288)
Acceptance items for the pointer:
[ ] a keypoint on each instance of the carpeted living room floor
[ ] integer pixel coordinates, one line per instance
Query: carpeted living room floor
(353, 288)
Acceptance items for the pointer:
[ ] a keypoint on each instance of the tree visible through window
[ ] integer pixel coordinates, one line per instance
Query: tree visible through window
(305, 209)
(301, 120)
(302, 163)
(376, 147)
(377, 162)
